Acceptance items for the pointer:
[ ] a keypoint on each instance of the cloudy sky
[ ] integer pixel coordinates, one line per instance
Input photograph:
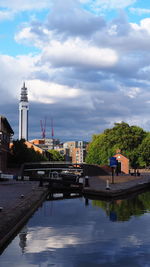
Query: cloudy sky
(86, 64)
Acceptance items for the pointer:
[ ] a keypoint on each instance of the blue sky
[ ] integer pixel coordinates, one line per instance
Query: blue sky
(85, 64)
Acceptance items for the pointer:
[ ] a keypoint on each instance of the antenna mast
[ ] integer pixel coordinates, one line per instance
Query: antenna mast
(52, 128)
(43, 128)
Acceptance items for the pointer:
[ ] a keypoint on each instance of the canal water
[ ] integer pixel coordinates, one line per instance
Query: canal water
(77, 232)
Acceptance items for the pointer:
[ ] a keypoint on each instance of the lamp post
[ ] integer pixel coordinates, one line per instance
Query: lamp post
(113, 165)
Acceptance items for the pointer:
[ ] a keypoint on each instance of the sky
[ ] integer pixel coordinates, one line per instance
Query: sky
(86, 64)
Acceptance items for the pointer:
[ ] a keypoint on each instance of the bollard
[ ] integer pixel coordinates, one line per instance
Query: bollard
(22, 196)
(107, 185)
(86, 181)
(1, 209)
(41, 182)
(86, 202)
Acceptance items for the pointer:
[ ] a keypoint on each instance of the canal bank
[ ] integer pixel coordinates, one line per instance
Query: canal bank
(123, 186)
(18, 201)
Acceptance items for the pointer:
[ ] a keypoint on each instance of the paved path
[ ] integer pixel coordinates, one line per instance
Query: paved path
(16, 209)
(123, 185)
(11, 191)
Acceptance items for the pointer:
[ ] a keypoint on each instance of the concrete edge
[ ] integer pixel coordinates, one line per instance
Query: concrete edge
(19, 222)
(115, 194)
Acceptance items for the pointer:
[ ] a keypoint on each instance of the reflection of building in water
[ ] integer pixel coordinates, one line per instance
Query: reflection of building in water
(23, 238)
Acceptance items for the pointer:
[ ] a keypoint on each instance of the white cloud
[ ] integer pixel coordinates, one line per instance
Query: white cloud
(20, 5)
(6, 15)
(26, 36)
(75, 52)
(134, 240)
(99, 5)
(40, 241)
(15, 70)
(48, 92)
(85, 64)
(139, 11)
(144, 25)
(131, 92)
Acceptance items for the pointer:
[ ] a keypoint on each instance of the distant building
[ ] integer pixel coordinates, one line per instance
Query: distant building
(78, 155)
(70, 145)
(46, 144)
(6, 133)
(77, 150)
(123, 163)
(33, 146)
(38, 142)
(74, 151)
(23, 114)
(64, 152)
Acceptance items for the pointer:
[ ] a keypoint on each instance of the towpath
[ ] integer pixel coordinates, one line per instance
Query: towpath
(18, 200)
(122, 186)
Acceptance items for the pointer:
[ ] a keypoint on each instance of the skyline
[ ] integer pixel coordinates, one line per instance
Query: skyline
(85, 64)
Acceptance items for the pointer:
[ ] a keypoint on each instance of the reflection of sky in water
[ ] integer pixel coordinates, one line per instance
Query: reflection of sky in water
(67, 233)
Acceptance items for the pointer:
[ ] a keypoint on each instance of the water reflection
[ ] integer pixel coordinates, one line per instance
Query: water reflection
(123, 210)
(23, 238)
(80, 233)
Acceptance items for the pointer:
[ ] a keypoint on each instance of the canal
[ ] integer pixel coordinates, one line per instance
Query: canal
(76, 232)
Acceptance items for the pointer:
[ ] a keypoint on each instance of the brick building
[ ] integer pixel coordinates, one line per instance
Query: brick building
(77, 150)
(6, 133)
(46, 144)
(123, 163)
(78, 155)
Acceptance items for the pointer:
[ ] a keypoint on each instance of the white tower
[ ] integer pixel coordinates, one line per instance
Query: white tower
(23, 114)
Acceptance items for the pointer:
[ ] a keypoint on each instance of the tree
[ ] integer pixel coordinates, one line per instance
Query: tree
(55, 155)
(125, 208)
(121, 136)
(144, 152)
(20, 153)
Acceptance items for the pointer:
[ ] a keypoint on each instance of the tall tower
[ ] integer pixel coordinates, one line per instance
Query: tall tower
(23, 114)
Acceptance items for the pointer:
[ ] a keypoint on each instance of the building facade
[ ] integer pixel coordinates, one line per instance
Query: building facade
(23, 114)
(77, 150)
(123, 163)
(47, 143)
(6, 133)
(78, 155)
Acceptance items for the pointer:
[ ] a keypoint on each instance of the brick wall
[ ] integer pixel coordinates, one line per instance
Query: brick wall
(124, 162)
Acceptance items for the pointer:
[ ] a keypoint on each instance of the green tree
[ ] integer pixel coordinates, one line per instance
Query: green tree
(55, 155)
(126, 208)
(121, 136)
(144, 152)
(20, 153)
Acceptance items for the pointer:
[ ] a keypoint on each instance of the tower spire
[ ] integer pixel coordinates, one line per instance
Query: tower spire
(23, 113)
(24, 94)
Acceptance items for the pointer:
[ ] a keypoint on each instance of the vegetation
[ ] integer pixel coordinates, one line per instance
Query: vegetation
(55, 155)
(123, 210)
(133, 142)
(20, 153)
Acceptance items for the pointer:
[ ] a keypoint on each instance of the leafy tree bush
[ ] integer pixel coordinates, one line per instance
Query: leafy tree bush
(20, 153)
(129, 139)
(55, 155)
(144, 152)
